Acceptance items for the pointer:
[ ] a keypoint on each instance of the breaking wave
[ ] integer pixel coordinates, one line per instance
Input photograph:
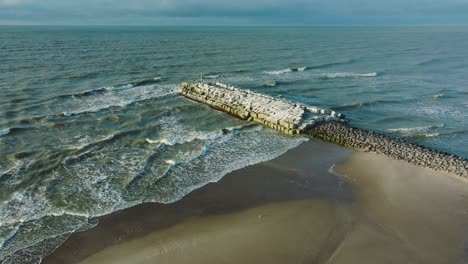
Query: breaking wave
(119, 98)
(346, 75)
(189, 137)
(417, 132)
(413, 129)
(286, 71)
(116, 172)
(115, 87)
(320, 66)
(5, 131)
(277, 72)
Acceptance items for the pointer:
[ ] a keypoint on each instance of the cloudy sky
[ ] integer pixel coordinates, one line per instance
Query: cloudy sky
(234, 12)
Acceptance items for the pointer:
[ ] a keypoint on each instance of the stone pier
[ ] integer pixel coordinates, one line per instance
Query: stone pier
(276, 113)
(293, 118)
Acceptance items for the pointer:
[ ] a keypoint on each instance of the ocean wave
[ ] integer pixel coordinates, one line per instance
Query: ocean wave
(325, 65)
(346, 75)
(437, 96)
(143, 82)
(121, 98)
(390, 119)
(428, 61)
(155, 173)
(5, 131)
(13, 130)
(269, 83)
(425, 135)
(211, 76)
(278, 72)
(194, 135)
(455, 132)
(115, 87)
(286, 70)
(414, 130)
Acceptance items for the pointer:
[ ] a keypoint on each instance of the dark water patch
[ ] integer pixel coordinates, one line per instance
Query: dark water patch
(331, 64)
(81, 76)
(430, 61)
(17, 100)
(391, 119)
(24, 154)
(141, 83)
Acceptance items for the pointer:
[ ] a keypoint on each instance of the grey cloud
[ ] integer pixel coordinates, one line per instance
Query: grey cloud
(234, 12)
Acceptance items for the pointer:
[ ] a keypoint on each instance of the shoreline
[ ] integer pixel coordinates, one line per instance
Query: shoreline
(296, 188)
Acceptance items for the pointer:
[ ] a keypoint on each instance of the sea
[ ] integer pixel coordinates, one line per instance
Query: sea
(91, 121)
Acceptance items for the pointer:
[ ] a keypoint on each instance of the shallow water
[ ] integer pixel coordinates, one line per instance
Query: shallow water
(91, 122)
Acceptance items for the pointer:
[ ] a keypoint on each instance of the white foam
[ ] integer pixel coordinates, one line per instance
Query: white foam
(302, 69)
(105, 173)
(252, 145)
(277, 72)
(437, 96)
(171, 162)
(427, 135)
(413, 129)
(213, 76)
(270, 83)
(156, 141)
(5, 131)
(347, 75)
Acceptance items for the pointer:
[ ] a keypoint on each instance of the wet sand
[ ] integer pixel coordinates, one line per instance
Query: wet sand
(293, 209)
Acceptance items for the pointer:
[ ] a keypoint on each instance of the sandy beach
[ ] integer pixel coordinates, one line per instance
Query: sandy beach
(318, 203)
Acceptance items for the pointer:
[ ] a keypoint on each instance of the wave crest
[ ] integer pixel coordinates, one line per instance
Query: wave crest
(278, 72)
(5, 131)
(346, 75)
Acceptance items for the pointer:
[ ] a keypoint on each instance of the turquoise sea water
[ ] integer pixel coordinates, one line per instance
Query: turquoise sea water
(91, 122)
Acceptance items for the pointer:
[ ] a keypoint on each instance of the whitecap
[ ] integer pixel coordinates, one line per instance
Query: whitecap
(213, 76)
(437, 96)
(191, 136)
(302, 69)
(347, 75)
(277, 72)
(115, 98)
(4, 131)
(171, 162)
(151, 141)
(426, 135)
(409, 130)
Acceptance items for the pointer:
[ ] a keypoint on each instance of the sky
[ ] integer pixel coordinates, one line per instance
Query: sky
(234, 12)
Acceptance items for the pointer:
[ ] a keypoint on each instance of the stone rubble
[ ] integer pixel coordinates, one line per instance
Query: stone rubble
(396, 148)
(272, 112)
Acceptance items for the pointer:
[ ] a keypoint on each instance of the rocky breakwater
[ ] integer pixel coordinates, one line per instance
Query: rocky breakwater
(276, 113)
(293, 119)
(396, 148)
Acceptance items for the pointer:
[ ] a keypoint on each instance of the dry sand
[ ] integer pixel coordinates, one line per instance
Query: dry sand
(293, 210)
